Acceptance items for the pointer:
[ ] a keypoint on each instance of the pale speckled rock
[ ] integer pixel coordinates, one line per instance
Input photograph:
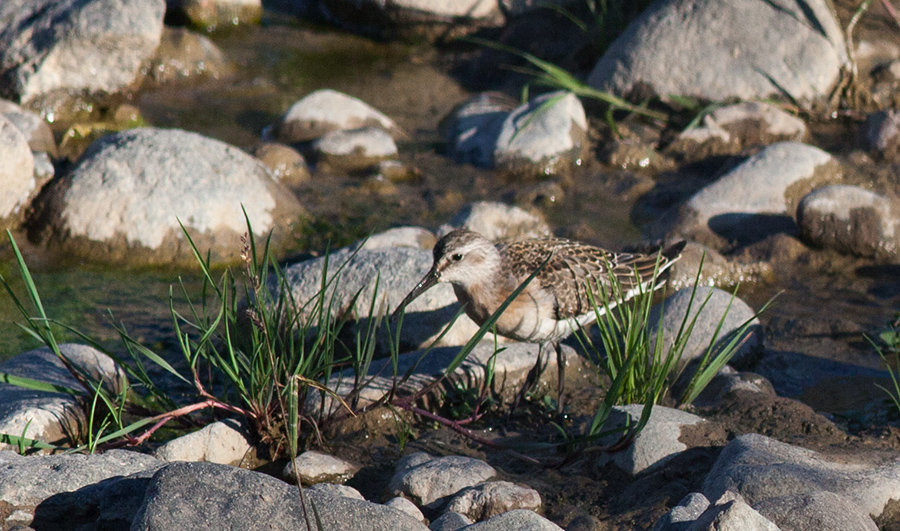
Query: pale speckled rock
(760, 468)
(511, 367)
(123, 201)
(17, 183)
(498, 221)
(755, 199)
(851, 220)
(520, 520)
(680, 517)
(719, 51)
(412, 237)
(210, 496)
(717, 270)
(331, 489)
(51, 417)
(450, 522)
(657, 442)
(327, 110)
(225, 442)
(411, 18)
(405, 506)
(36, 129)
(543, 137)
(734, 515)
(729, 129)
(429, 481)
(354, 149)
(26, 482)
(676, 307)
(491, 498)
(815, 510)
(50, 46)
(317, 467)
(211, 14)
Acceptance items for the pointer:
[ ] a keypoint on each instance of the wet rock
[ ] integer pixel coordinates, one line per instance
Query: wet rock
(210, 14)
(815, 510)
(760, 468)
(851, 220)
(44, 487)
(543, 137)
(286, 163)
(405, 506)
(36, 129)
(429, 481)
(498, 222)
(472, 128)
(324, 111)
(881, 133)
(364, 273)
(411, 18)
(210, 496)
(632, 154)
(17, 182)
(225, 442)
(755, 199)
(450, 522)
(52, 417)
(715, 51)
(316, 467)
(716, 269)
(492, 498)
(183, 54)
(330, 489)
(123, 201)
(682, 515)
(97, 46)
(520, 520)
(708, 317)
(732, 514)
(354, 149)
(728, 130)
(657, 443)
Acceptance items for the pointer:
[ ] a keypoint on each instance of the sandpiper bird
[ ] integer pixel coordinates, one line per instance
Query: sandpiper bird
(556, 301)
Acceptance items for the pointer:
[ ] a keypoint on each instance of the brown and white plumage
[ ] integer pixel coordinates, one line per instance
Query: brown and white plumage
(556, 301)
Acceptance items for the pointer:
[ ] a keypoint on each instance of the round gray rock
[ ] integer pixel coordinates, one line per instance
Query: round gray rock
(543, 137)
(327, 110)
(17, 182)
(123, 201)
(317, 467)
(498, 222)
(492, 498)
(709, 306)
(69, 46)
(429, 480)
(851, 220)
(36, 129)
(520, 520)
(755, 199)
(355, 149)
(881, 133)
(472, 128)
(722, 50)
(225, 442)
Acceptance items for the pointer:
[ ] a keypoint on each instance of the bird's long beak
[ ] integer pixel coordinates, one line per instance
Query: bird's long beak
(431, 278)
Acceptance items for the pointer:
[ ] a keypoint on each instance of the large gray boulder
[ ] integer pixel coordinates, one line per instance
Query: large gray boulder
(719, 50)
(210, 496)
(123, 201)
(75, 46)
(760, 468)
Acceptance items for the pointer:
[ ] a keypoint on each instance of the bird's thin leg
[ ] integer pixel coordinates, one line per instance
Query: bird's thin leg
(561, 371)
(532, 378)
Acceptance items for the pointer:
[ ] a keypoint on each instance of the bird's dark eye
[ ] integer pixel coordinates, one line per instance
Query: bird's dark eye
(456, 257)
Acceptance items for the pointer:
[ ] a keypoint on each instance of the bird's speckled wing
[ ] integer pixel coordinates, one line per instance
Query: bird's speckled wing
(573, 267)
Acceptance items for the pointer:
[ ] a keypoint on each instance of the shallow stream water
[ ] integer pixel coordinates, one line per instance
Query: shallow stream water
(823, 312)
